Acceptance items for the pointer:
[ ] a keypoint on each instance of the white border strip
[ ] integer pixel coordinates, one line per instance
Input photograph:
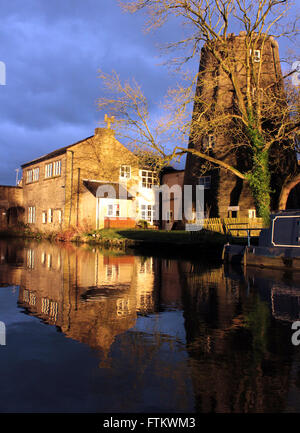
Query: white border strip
(272, 240)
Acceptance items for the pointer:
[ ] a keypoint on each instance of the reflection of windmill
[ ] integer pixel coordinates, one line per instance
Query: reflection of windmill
(285, 302)
(283, 290)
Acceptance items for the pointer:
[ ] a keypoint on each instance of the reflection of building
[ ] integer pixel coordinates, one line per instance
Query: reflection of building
(92, 297)
(208, 343)
(11, 259)
(145, 286)
(281, 289)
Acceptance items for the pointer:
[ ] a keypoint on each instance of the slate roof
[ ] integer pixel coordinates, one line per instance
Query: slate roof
(53, 154)
(121, 192)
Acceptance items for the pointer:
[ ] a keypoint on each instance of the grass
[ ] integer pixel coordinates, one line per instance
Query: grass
(159, 236)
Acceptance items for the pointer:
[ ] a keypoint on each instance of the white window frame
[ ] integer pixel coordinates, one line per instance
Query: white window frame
(29, 176)
(125, 172)
(147, 212)
(113, 210)
(256, 55)
(50, 216)
(44, 217)
(49, 170)
(59, 216)
(35, 174)
(145, 176)
(57, 168)
(30, 259)
(31, 215)
(251, 213)
(43, 258)
(112, 272)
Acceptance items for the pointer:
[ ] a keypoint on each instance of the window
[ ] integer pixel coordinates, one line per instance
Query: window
(211, 141)
(125, 171)
(205, 181)
(113, 210)
(148, 178)
(48, 170)
(112, 272)
(49, 261)
(57, 168)
(30, 259)
(233, 211)
(43, 258)
(29, 176)
(59, 216)
(208, 141)
(122, 307)
(35, 174)
(45, 305)
(50, 215)
(147, 212)
(31, 215)
(32, 175)
(256, 55)
(251, 213)
(44, 217)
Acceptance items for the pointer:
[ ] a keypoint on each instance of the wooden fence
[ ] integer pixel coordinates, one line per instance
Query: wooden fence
(227, 225)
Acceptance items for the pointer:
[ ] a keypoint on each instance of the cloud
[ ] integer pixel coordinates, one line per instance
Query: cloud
(53, 51)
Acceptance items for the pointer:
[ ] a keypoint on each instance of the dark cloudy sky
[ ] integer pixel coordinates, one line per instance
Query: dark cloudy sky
(52, 50)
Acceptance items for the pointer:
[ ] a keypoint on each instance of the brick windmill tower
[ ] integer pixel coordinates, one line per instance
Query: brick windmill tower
(227, 195)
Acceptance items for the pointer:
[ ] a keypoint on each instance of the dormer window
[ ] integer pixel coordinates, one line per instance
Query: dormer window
(125, 172)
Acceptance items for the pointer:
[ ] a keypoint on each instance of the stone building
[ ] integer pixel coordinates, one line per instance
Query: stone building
(11, 206)
(226, 195)
(93, 183)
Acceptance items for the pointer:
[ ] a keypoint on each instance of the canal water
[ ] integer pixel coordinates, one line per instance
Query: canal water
(89, 330)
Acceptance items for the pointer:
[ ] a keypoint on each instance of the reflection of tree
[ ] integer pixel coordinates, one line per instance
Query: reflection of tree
(257, 321)
(235, 362)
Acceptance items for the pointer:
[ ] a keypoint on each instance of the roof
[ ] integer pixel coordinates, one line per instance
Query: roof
(10, 186)
(120, 191)
(53, 154)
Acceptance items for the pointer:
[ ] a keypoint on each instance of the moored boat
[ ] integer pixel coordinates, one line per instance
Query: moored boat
(278, 246)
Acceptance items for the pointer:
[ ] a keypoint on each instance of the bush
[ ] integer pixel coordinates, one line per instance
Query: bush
(143, 224)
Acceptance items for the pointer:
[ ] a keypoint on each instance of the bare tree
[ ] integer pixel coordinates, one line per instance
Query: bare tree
(262, 114)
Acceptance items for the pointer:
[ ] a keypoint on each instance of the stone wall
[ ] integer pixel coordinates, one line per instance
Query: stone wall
(214, 94)
(11, 206)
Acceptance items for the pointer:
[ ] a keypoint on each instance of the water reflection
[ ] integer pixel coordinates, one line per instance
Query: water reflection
(176, 335)
(90, 296)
